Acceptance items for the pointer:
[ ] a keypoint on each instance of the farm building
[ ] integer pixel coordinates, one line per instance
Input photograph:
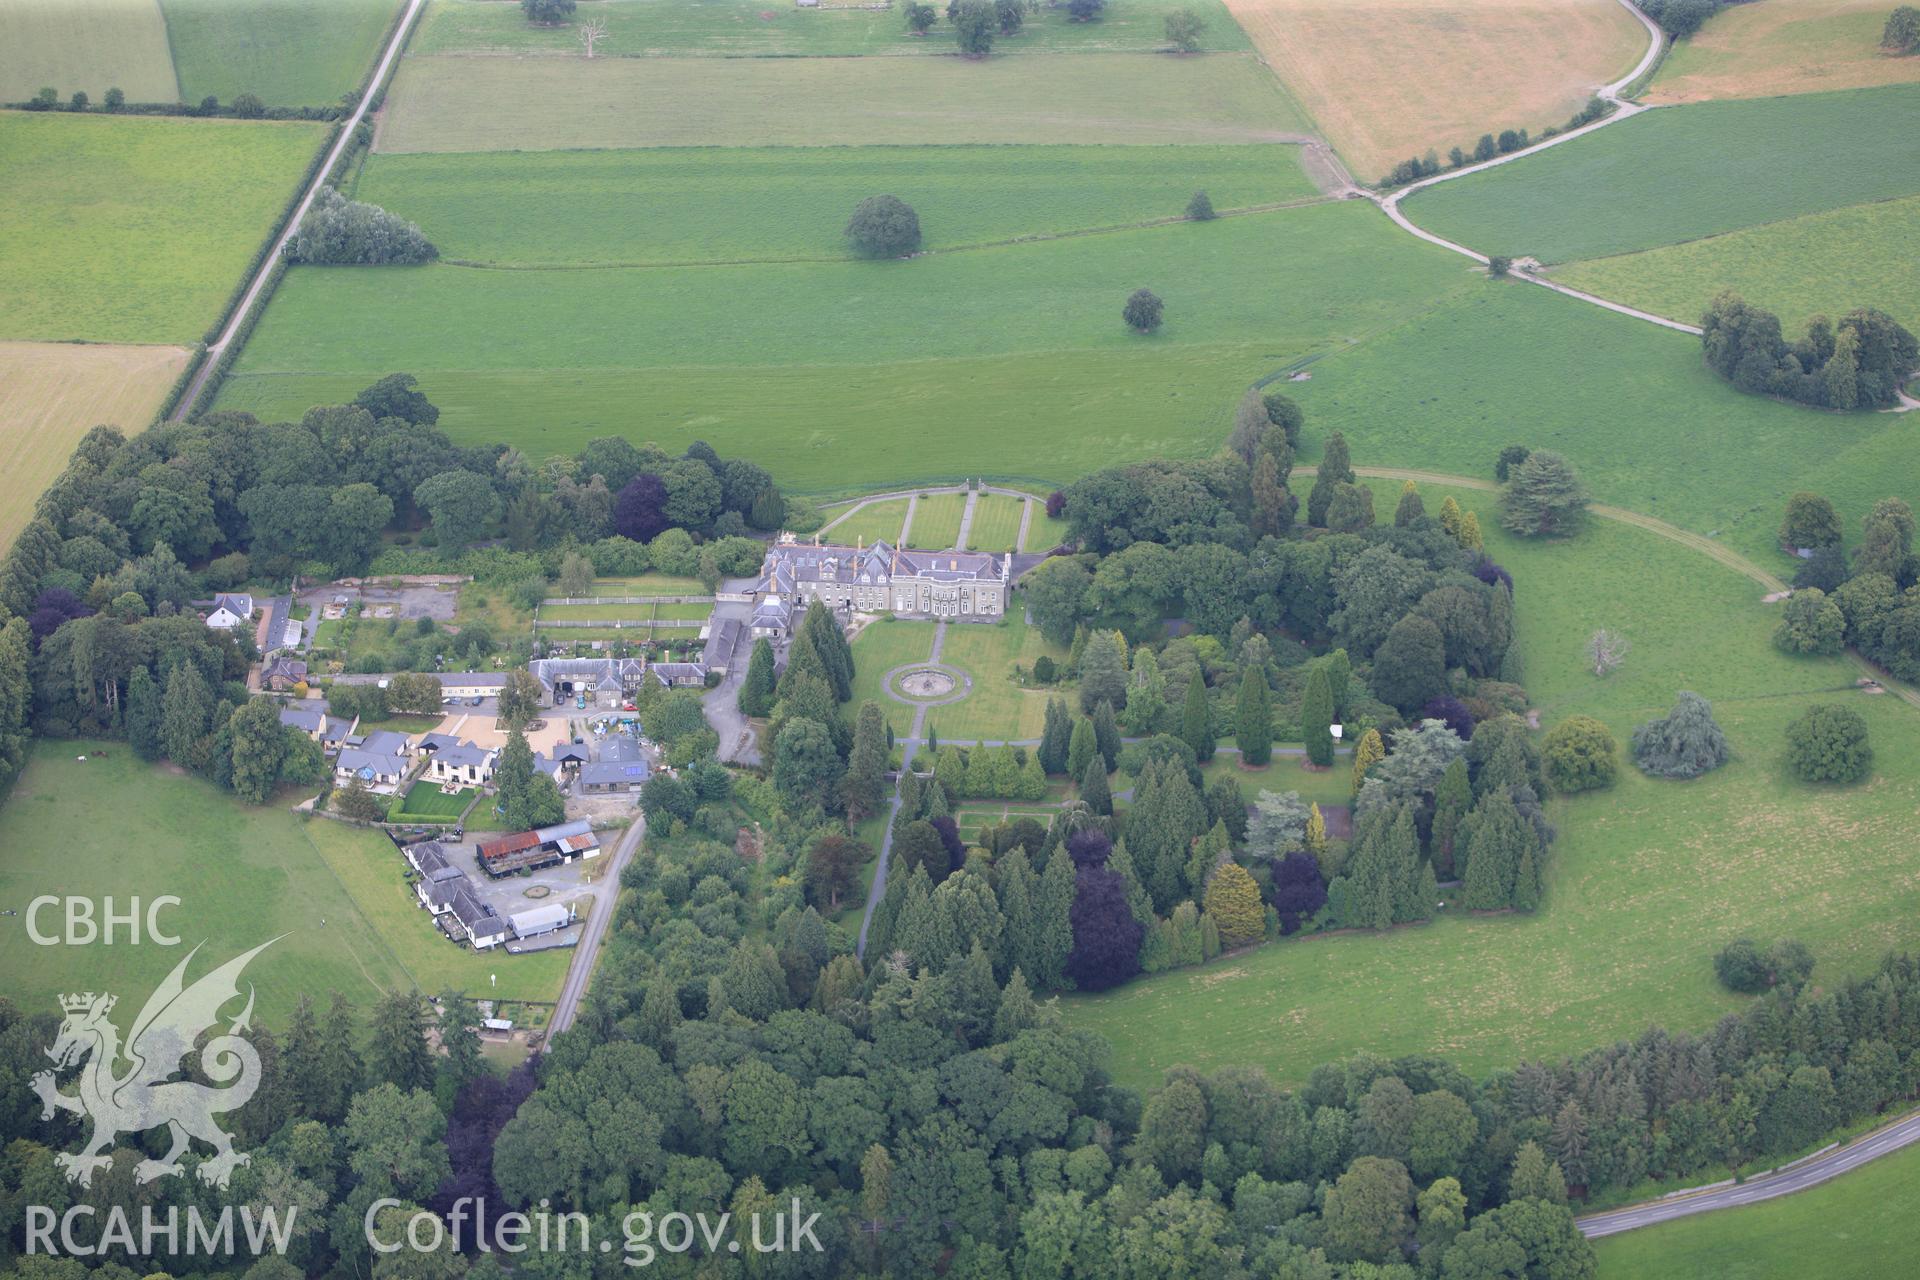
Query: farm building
(679, 675)
(722, 638)
(531, 850)
(230, 611)
(278, 629)
(471, 684)
(474, 921)
(564, 678)
(539, 920)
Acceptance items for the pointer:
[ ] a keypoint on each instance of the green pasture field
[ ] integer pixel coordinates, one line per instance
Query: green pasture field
(874, 522)
(94, 46)
(708, 204)
(1821, 264)
(826, 360)
(125, 229)
(936, 521)
(425, 800)
(116, 827)
(1647, 880)
(1849, 1229)
(287, 52)
(455, 103)
(878, 649)
(1680, 173)
(1647, 426)
(649, 584)
(755, 28)
(996, 523)
(372, 871)
(997, 709)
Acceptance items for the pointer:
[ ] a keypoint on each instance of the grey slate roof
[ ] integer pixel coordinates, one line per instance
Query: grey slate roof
(355, 759)
(386, 742)
(480, 920)
(305, 719)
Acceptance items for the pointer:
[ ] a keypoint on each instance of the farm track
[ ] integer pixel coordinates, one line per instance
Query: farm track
(251, 299)
(1706, 546)
(471, 264)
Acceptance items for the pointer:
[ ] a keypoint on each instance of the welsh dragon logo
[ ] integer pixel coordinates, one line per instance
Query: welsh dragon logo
(146, 1095)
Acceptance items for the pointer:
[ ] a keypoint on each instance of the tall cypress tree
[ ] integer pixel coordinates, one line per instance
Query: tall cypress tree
(1094, 788)
(341, 1069)
(1106, 734)
(830, 642)
(399, 1044)
(1053, 922)
(16, 696)
(863, 788)
(1316, 718)
(184, 713)
(1082, 746)
(1498, 841)
(1452, 800)
(1335, 470)
(1056, 738)
(1253, 719)
(756, 691)
(1196, 719)
(143, 715)
(1016, 889)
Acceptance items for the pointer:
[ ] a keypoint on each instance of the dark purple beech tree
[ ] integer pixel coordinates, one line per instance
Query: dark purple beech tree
(640, 510)
(1298, 890)
(1106, 937)
(1089, 848)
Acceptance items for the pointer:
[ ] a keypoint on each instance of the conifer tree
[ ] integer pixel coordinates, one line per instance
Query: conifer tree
(1411, 508)
(1317, 834)
(1316, 718)
(1056, 738)
(1017, 886)
(1470, 537)
(1451, 518)
(1233, 904)
(1094, 788)
(863, 788)
(1106, 735)
(1196, 720)
(756, 690)
(1103, 671)
(1370, 751)
(1033, 779)
(1335, 470)
(1253, 719)
(399, 1042)
(1081, 747)
(1053, 921)
(824, 635)
(1452, 800)
(1146, 694)
(143, 715)
(1499, 838)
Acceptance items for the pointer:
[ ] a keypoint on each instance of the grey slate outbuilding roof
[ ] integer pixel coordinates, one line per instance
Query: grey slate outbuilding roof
(305, 719)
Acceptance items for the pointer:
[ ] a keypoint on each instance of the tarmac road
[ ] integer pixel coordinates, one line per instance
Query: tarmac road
(1810, 1172)
(581, 970)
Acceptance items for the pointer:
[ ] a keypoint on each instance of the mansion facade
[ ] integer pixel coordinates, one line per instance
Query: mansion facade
(958, 586)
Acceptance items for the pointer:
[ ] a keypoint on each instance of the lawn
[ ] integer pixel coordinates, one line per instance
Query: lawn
(878, 649)
(1283, 774)
(650, 584)
(1820, 264)
(1849, 1229)
(1044, 532)
(455, 103)
(753, 28)
(1635, 873)
(287, 52)
(1630, 404)
(426, 801)
(374, 873)
(623, 612)
(873, 522)
(95, 46)
(711, 204)
(115, 827)
(936, 521)
(1388, 81)
(1679, 174)
(996, 523)
(52, 394)
(829, 363)
(126, 229)
(1782, 46)
(997, 709)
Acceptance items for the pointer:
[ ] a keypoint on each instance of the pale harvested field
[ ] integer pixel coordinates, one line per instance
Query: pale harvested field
(93, 45)
(1387, 79)
(52, 393)
(455, 103)
(1783, 46)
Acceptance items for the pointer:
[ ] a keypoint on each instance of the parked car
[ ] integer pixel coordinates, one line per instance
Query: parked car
(474, 702)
